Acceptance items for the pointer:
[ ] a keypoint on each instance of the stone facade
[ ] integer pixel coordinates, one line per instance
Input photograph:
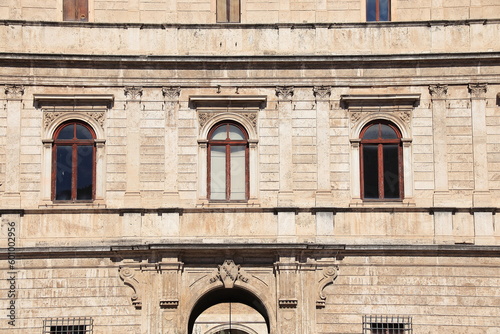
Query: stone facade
(307, 251)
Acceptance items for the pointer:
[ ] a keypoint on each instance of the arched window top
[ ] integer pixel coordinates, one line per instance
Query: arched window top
(380, 131)
(74, 131)
(228, 131)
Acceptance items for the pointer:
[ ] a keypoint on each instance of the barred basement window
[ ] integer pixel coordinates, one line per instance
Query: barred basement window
(78, 325)
(387, 324)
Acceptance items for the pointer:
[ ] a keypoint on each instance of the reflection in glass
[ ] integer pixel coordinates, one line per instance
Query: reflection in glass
(370, 168)
(64, 173)
(218, 172)
(237, 173)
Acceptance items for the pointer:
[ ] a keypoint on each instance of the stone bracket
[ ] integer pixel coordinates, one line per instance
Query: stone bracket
(329, 276)
(128, 277)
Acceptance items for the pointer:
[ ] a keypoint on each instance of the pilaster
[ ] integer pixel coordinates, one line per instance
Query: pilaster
(481, 195)
(438, 96)
(133, 110)
(285, 195)
(12, 195)
(171, 108)
(287, 270)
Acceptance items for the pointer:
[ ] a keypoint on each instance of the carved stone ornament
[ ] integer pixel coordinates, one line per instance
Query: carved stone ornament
(133, 93)
(322, 92)
(405, 116)
(284, 92)
(478, 90)
(14, 91)
(287, 303)
(169, 303)
(355, 117)
(128, 277)
(329, 276)
(228, 273)
(171, 93)
(438, 91)
(50, 116)
(204, 117)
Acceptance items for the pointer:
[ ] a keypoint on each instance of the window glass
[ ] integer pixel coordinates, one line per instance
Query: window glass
(82, 132)
(67, 132)
(370, 167)
(391, 172)
(387, 132)
(220, 133)
(371, 132)
(235, 133)
(85, 172)
(64, 172)
(237, 173)
(371, 10)
(218, 172)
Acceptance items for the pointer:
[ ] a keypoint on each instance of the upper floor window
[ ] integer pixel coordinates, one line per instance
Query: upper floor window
(75, 10)
(73, 162)
(378, 10)
(381, 162)
(228, 163)
(228, 11)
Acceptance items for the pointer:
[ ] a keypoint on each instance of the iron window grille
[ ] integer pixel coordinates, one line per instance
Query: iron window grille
(387, 324)
(78, 325)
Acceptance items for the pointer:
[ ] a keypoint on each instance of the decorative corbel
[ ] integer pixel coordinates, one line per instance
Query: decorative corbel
(128, 277)
(329, 276)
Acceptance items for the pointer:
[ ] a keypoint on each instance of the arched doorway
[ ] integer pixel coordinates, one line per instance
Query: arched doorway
(229, 311)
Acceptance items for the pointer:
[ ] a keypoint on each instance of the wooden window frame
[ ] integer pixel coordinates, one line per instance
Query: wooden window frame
(228, 143)
(74, 143)
(377, 11)
(76, 10)
(227, 17)
(380, 142)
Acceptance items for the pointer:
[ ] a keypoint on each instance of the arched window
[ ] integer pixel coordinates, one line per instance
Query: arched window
(228, 163)
(73, 162)
(381, 162)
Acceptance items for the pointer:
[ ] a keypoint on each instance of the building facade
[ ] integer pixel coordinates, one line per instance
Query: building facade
(250, 167)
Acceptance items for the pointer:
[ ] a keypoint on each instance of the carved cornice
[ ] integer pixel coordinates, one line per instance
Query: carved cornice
(329, 276)
(128, 277)
(171, 93)
(133, 93)
(228, 273)
(14, 91)
(284, 93)
(438, 91)
(478, 90)
(322, 92)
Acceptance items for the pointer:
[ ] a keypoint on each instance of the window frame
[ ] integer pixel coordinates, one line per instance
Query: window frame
(380, 142)
(77, 325)
(228, 144)
(390, 324)
(74, 143)
(228, 15)
(76, 10)
(377, 11)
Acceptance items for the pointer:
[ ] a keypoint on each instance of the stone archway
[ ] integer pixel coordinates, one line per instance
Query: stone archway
(216, 301)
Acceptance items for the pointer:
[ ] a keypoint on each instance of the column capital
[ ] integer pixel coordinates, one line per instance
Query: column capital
(171, 93)
(322, 92)
(14, 91)
(438, 91)
(478, 90)
(284, 93)
(133, 93)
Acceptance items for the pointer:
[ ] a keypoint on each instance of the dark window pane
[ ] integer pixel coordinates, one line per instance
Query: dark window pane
(384, 10)
(67, 132)
(391, 171)
(84, 172)
(371, 132)
(218, 172)
(388, 132)
(82, 132)
(370, 171)
(371, 10)
(63, 173)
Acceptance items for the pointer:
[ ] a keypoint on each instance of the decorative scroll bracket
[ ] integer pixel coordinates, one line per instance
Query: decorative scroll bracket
(329, 276)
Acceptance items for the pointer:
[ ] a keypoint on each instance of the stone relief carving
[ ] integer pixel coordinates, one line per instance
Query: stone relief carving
(284, 92)
(204, 117)
(228, 273)
(133, 93)
(478, 90)
(50, 116)
(322, 92)
(438, 91)
(287, 303)
(329, 276)
(128, 277)
(14, 91)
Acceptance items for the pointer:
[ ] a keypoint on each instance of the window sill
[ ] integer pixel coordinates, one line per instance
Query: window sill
(357, 202)
(214, 204)
(96, 204)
